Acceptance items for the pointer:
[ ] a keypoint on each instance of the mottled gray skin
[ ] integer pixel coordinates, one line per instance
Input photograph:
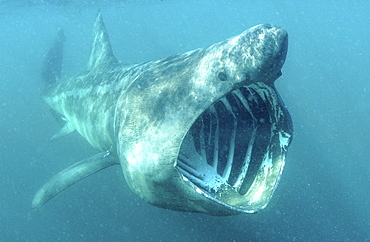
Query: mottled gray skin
(141, 113)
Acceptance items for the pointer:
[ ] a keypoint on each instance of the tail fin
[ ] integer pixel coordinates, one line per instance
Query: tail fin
(51, 70)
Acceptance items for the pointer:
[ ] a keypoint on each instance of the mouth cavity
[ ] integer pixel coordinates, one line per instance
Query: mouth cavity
(234, 152)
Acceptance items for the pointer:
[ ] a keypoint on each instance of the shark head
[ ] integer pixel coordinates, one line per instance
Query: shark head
(206, 131)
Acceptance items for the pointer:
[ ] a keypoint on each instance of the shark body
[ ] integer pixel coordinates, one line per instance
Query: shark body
(204, 131)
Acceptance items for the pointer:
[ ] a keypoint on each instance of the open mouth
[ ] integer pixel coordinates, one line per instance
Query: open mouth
(234, 152)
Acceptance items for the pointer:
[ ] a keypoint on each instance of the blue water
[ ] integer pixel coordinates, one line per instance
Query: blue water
(324, 194)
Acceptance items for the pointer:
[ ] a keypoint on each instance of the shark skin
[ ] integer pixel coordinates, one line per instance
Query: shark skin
(204, 131)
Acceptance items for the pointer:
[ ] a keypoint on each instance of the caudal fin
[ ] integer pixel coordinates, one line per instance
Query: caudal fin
(52, 67)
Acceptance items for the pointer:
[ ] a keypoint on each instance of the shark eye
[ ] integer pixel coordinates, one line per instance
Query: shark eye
(222, 76)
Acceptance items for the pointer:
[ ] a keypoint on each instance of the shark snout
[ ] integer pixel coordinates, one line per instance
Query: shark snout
(271, 47)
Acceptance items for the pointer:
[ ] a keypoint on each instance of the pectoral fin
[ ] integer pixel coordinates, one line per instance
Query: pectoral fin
(67, 129)
(71, 175)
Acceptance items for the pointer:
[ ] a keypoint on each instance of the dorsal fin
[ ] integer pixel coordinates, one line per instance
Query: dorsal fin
(101, 51)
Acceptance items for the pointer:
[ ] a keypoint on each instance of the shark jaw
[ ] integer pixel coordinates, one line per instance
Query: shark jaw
(234, 153)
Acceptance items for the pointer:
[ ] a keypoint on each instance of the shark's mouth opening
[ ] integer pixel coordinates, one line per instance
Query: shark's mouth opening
(234, 152)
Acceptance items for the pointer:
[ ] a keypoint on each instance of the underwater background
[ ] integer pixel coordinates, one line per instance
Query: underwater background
(324, 194)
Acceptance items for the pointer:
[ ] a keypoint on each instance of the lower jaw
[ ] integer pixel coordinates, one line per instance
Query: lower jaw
(234, 152)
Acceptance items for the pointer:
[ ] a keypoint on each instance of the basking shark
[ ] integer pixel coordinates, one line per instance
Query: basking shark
(204, 131)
